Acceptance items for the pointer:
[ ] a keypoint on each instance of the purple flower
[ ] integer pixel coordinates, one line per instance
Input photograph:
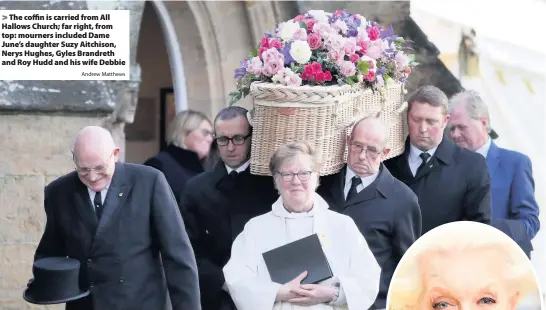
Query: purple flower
(352, 32)
(239, 73)
(381, 71)
(286, 53)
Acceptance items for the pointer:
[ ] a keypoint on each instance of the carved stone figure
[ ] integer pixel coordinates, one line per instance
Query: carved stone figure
(126, 100)
(469, 65)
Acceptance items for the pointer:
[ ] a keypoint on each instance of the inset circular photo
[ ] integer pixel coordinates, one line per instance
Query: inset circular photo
(464, 266)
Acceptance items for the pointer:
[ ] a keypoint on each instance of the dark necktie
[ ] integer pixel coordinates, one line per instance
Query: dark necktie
(233, 174)
(355, 181)
(424, 157)
(97, 202)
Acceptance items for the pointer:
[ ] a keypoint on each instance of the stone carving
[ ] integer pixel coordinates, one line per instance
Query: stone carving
(126, 99)
(468, 56)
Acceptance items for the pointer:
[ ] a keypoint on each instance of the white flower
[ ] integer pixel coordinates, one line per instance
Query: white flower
(287, 30)
(319, 15)
(401, 60)
(340, 25)
(300, 51)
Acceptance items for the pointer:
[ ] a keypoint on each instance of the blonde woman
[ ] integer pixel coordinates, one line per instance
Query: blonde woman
(189, 137)
(463, 266)
(300, 212)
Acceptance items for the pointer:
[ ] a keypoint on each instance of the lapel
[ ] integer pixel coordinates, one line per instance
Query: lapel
(443, 155)
(336, 188)
(117, 193)
(493, 158)
(402, 165)
(83, 206)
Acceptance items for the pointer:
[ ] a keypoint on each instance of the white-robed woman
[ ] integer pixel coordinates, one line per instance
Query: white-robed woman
(300, 212)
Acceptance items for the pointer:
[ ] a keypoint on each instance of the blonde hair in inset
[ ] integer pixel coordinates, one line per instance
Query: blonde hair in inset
(406, 288)
(183, 124)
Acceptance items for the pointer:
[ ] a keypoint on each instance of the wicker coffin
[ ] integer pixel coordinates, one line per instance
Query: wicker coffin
(322, 115)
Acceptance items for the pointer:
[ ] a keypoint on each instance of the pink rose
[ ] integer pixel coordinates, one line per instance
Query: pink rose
(314, 40)
(310, 23)
(347, 68)
(373, 33)
(354, 57)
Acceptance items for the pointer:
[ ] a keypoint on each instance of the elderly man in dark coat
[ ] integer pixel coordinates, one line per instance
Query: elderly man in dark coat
(216, 205)
(384, 209)
(117, 219)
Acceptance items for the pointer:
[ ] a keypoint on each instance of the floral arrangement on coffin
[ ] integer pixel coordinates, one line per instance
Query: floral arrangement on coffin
(321, 48)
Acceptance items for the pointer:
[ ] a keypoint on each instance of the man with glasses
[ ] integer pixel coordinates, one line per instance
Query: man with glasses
(117, 219)
(216, 205)
(384, 209)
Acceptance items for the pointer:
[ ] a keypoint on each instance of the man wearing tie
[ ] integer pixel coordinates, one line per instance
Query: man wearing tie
(384, 209)
(452, 183)
(216, 205)
(122, 223)
(515, 210)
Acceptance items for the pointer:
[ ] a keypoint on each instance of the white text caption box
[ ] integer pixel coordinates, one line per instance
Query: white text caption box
(64, 45)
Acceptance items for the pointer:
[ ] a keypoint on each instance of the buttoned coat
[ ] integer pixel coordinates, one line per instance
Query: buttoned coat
(120, 254)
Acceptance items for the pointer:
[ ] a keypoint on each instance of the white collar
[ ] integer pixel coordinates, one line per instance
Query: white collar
(485, 148)
(240, 169)
(415, 152)
(104, 190)
(365, 180)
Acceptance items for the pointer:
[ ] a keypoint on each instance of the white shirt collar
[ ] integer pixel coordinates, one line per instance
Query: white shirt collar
(240, 169)
(415, 152)
(104, 190)
(365, 180)
(485, 148)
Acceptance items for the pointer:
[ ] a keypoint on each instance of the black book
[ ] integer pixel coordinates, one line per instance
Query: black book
(290, 260)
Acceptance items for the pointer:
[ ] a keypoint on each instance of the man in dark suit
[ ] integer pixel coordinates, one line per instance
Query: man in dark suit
(385, 210)
(452, 183)
(515, 210)
(217, 204)
(117, 219)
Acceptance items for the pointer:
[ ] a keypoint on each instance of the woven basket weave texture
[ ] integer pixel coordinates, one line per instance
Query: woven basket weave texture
(321, 115)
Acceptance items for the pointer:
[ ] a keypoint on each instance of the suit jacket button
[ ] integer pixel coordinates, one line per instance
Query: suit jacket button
(121, 280)
(89, 260)
(92, 284)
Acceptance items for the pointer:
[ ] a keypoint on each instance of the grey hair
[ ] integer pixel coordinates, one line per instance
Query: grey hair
(378, 122)
(431, 95)
(183, 124)
(474, 104)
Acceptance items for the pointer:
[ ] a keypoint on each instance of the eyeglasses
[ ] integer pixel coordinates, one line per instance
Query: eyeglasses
(83, 171)
(302, 175)
(236, 140)
(371, 153)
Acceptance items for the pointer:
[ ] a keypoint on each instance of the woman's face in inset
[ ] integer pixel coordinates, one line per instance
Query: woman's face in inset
(466, 280)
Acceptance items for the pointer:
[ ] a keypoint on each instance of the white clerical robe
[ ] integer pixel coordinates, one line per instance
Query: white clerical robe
(348, 254)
